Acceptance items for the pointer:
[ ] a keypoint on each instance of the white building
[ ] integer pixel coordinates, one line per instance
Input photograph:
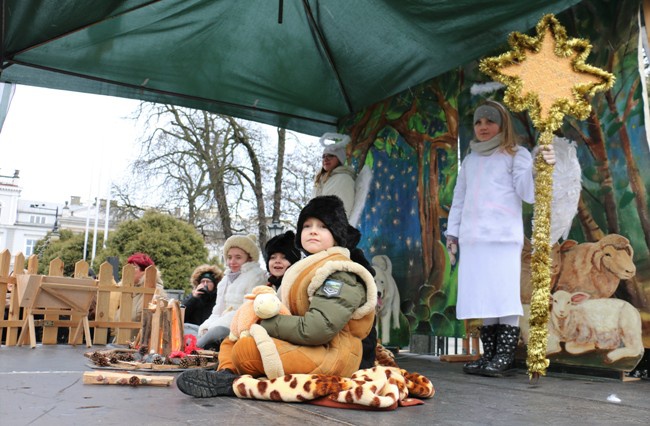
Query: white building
(24, 222)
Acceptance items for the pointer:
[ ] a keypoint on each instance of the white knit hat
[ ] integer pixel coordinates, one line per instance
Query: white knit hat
(337, 148)
(248, 243)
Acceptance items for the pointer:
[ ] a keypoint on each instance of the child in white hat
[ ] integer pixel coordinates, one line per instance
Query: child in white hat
(335, 178)
(242, 274)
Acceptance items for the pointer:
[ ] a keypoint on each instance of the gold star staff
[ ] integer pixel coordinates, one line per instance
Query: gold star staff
(547, 76)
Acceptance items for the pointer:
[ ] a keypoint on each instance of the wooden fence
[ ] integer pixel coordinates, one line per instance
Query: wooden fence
(60, 309)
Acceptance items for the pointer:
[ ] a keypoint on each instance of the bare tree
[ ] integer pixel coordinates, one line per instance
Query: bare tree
(220, 171)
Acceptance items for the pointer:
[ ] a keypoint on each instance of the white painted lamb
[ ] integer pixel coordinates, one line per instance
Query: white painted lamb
(586, 324)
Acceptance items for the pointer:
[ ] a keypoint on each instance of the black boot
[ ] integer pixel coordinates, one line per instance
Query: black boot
(202, 383)
(503, 362)
(489, 340)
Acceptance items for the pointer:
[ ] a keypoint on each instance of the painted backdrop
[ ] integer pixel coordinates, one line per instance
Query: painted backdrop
(410, 141)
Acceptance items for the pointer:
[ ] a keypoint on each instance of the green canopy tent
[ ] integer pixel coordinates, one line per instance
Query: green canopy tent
(298, 64)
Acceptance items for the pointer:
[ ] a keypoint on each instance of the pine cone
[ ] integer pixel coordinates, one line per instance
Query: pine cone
(103, 362)
(144, 349)
(184, 363)
(114, 359)
(95, 356)
(127, 357)
(202, 361)
(158, 360)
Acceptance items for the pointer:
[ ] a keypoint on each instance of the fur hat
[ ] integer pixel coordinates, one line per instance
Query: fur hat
(141, 259)
(248, 243)
(329, 209)
(215, 274)
(285, 244)
(336, 149)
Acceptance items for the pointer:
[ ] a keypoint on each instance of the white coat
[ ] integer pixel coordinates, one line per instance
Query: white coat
(486, 216)
(230, 295)
(487, 203)
(340, 183)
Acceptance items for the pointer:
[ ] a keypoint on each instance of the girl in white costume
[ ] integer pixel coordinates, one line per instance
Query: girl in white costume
(335, 178)
(485, 221)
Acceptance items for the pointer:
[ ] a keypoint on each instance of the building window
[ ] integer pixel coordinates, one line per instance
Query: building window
(29, 247)
(37, 219)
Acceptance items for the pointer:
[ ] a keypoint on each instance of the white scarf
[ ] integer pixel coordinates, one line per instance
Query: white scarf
(487, 147)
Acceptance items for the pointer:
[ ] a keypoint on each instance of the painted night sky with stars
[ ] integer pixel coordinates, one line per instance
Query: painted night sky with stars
(390, 223)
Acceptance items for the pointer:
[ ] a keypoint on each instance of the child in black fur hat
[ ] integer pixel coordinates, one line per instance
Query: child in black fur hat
(332, 300)
(280, 252)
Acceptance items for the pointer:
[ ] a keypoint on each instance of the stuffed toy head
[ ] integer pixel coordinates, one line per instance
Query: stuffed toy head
(252, 310)
(266, 305)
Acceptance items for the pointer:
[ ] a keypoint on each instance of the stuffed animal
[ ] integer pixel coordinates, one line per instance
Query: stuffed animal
(262, 303)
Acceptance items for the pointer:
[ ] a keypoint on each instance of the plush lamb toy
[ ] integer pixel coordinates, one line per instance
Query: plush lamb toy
(262, 303)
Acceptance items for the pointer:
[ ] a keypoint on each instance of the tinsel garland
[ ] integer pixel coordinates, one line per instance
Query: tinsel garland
(586, 80)
(540, 263)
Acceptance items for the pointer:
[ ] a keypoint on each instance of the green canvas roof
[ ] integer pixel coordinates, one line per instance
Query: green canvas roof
(325, 60)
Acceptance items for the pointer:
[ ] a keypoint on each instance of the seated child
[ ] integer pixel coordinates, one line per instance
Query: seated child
(200, 302)
(243, 272)
(332, 300)
(280, 252)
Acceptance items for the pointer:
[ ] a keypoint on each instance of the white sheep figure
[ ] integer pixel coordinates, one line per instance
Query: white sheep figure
(594, 268)
(586, 324)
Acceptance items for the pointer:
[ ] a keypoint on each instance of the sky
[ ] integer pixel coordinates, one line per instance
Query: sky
(70, 144)
(66, 143)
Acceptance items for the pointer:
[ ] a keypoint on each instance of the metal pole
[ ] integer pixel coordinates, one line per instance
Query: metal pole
(108, 210)
(87, 222)
(92, 259)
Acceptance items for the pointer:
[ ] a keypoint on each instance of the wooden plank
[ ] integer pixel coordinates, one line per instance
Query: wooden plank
(50, 334)
(28, 286)
(459, 358)
(113, 378)
(626, 378)
(154, 340)
(150, 276)
(178, 342)
(123, 336)
(102, 308)
(81, 269)
(166, 328)
(132, 325)
(14, 304)
(145, 331)
(59, 298)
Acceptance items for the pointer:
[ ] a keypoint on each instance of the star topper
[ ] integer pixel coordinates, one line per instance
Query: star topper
(547, 75)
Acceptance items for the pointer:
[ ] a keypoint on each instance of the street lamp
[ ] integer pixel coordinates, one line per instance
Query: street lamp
(275, 228)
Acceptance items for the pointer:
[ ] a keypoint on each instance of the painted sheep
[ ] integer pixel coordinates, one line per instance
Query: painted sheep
(593, 268)
(586, 324)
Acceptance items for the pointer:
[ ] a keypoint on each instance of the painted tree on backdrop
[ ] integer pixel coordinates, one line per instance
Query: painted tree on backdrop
(612, 132)
(425, 118)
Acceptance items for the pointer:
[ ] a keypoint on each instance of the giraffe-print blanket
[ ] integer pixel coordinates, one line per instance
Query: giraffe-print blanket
(377, 388)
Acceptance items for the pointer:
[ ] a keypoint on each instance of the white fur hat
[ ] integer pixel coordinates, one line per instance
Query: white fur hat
(248, 243)
(337, 148)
